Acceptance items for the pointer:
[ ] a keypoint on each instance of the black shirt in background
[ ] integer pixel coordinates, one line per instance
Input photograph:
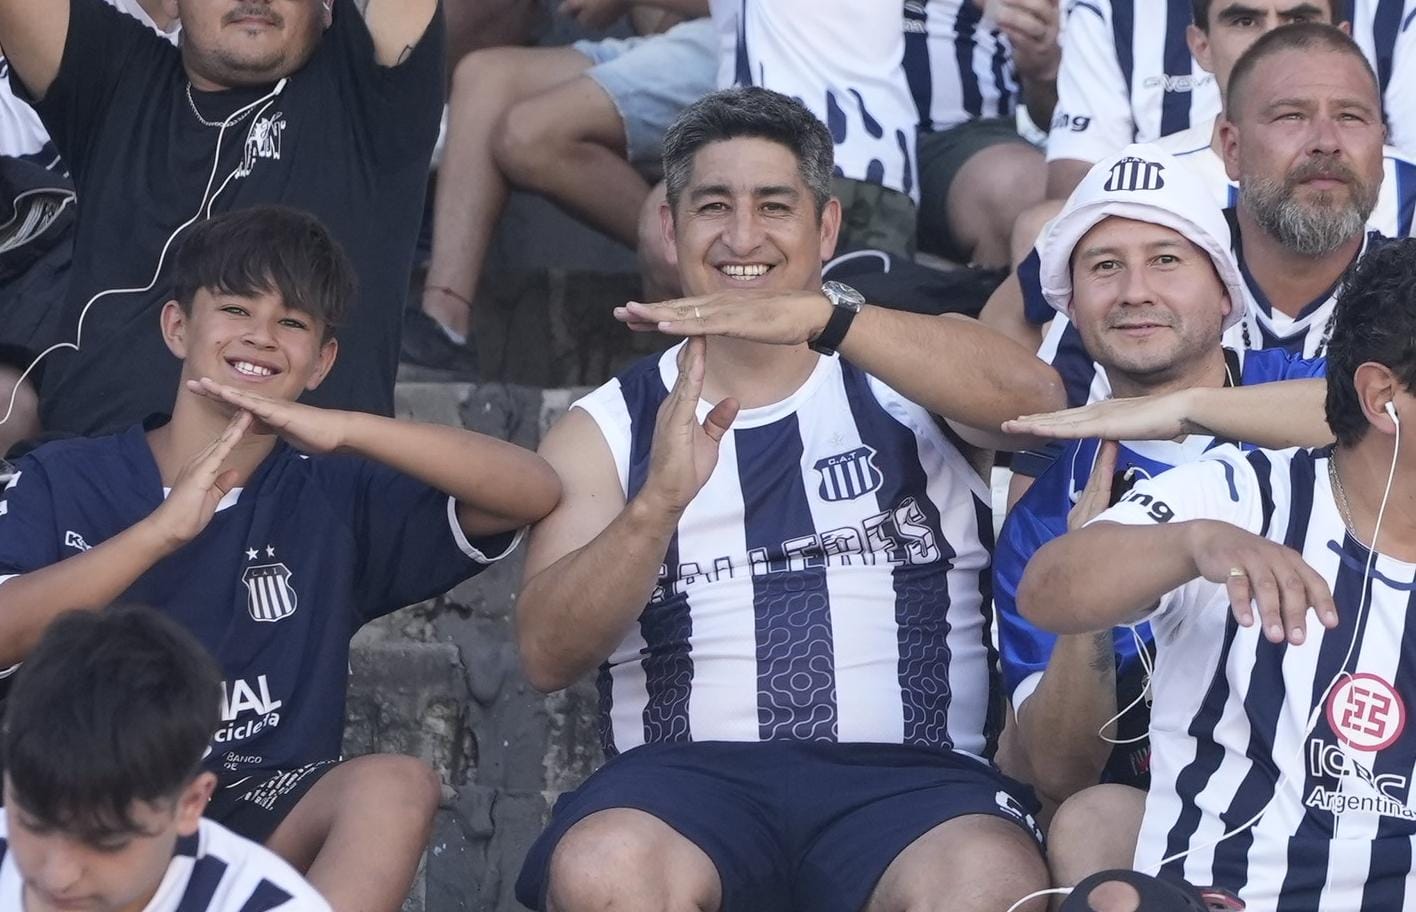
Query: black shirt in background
(344, 138)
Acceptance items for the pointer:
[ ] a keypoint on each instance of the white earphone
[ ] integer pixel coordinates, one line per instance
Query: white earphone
(1391, 410)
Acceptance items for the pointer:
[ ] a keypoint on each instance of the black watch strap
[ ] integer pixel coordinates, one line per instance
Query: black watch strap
(835, 331)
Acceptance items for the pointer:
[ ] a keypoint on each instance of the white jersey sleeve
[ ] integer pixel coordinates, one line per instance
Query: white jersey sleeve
(1222, 486)
(1400, 101)
(1093, 114)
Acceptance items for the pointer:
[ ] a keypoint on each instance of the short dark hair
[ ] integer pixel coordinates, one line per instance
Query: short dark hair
(266, 249)
(1300, 36)
(1199, 9)
(1374, 320)
(753, 112)
(110, 708)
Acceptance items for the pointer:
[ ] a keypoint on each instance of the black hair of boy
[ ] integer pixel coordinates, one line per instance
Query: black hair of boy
(267, 249)
(110, 709)
(1375, 321)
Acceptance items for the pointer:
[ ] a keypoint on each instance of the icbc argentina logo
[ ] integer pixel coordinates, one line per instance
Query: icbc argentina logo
(1366, 713)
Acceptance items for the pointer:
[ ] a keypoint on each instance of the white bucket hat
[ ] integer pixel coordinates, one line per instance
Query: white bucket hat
(1146, 184)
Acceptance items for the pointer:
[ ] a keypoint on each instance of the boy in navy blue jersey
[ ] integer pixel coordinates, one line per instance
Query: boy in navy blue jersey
(273, 531)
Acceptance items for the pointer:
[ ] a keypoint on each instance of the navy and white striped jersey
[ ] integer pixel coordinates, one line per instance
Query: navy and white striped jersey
(844, 60)
(1396, 202)
(1127, 76)
(959, 67)
(829, 583)
(1384, 30)
(213, 870)
(1231, 710)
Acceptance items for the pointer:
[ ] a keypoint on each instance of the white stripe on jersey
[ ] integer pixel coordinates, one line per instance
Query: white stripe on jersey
(1126, 76)
(844, 61)
(214, 871)
(947, 90)
(1385, 30)
(1396, 203)
(1338, 828)
(824, 585)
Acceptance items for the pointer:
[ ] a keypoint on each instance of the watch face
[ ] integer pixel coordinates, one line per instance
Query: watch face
(843, 295)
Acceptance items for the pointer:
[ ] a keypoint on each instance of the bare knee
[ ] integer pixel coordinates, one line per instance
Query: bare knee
(589, 865)
(1094, 830)
(969, 864)
(1029, 224)
(399, 784)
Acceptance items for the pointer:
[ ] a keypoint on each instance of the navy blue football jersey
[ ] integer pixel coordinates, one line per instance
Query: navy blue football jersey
(291, 565)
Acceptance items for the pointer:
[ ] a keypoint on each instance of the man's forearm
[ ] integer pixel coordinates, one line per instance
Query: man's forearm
(1040, 98)
(482, 473)
(953, 366)
(1075, 584)
(1275, 415)
(88, 581)
(572, 615)
(1060, 723)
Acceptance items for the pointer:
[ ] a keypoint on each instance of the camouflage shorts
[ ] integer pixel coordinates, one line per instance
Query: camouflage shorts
(874, 217)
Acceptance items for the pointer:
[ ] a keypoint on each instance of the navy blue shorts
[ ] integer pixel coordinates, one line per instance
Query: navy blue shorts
(808, 826)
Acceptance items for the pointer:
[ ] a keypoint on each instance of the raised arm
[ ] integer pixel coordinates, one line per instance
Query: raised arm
(955, 367)
(498, 486)
(96, 577)
(33, 33)
(592, 565)
(397, 26)
(1273, 415)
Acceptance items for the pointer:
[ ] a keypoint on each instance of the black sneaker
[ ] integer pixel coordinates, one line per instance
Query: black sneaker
(426, 345)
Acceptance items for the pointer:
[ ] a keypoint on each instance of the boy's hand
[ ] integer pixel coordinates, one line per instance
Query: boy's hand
(200, 486)
(774, 317)
(305, 427)
(684, 451)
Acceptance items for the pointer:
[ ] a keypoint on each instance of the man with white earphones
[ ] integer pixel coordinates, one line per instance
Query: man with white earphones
(1281, 768)
(304, 103)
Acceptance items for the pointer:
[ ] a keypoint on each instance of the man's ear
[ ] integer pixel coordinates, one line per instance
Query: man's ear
(1376, 385)
(1229, 143)
(666, 224)
(193, 802)
(328, 352)
(830, 228)
(174, 329)
(1199, 43)
(170, 10)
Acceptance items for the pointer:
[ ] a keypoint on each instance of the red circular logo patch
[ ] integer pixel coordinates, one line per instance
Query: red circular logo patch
(1366, 713)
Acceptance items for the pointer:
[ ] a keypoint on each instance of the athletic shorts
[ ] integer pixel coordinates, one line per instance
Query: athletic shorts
(652, 78)
(252, 803)
(789, 825)
(942, 155)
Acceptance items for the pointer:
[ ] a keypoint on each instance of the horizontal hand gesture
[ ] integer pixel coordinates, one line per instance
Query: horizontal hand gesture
(305, 427)
(773, 317)
(685, 452)
(1142, 418)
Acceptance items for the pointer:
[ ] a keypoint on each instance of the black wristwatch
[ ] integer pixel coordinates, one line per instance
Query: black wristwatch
(846, 302)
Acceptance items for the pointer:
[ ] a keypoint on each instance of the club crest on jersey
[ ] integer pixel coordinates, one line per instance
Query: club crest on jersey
(1132, 173)
(269, 596)
(847, 476)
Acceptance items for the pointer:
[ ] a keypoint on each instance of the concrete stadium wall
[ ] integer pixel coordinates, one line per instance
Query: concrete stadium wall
(440, 681)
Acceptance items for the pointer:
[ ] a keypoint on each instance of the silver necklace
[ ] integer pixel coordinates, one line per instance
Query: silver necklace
(1342, 506)
(210, 123)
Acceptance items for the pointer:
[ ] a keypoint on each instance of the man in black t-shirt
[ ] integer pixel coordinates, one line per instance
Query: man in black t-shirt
(300, 102)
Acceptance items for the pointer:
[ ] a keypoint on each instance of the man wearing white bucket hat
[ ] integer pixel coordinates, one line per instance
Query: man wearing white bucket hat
(1139, 260)
(1303, 132)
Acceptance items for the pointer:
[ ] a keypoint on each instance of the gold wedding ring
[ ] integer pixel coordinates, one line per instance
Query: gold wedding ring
(697, 314)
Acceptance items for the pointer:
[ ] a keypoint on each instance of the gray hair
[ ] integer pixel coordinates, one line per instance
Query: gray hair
(749, 111)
